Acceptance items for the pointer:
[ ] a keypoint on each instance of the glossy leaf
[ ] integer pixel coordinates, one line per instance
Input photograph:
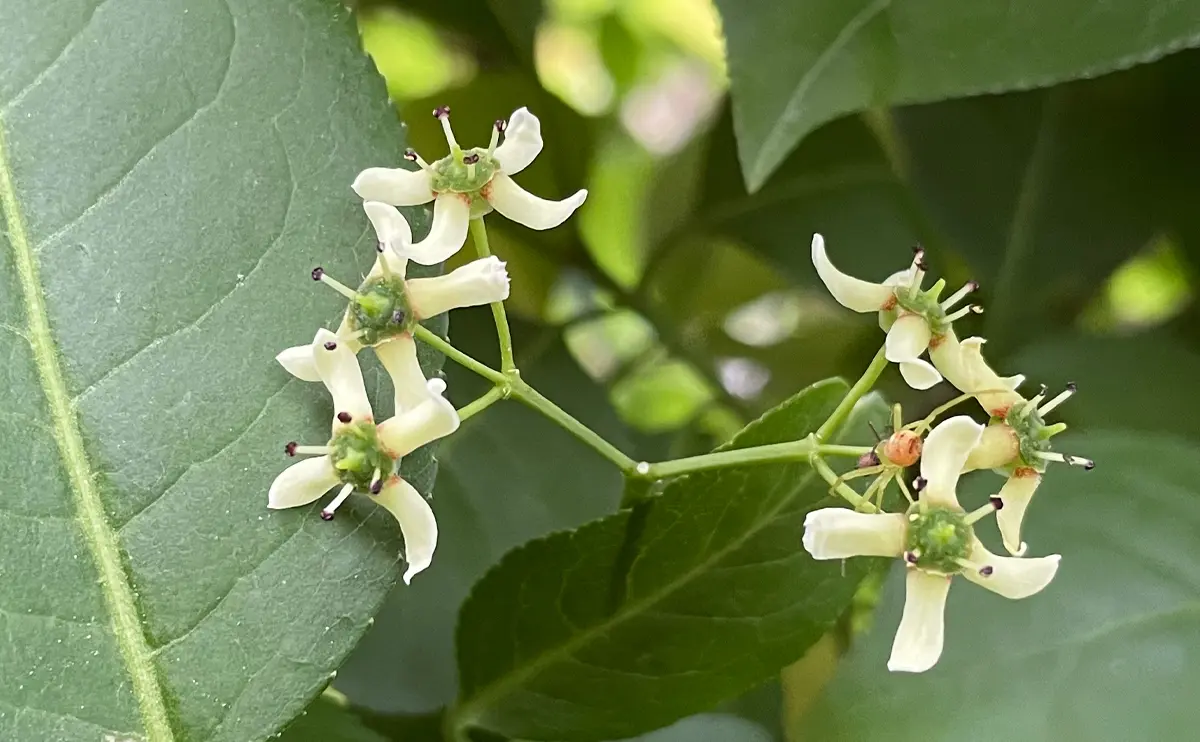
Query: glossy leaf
(642, 617)
(1107, 651)
(170, 172)
(794, 66)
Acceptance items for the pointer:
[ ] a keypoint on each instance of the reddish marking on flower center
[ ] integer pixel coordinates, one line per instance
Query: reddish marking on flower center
(935, 341)
(1025, 471)
(486, 191)
(889, 304)
(1000, 411)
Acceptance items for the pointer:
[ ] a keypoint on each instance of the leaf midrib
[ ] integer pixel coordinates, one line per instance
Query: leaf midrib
(98, 534)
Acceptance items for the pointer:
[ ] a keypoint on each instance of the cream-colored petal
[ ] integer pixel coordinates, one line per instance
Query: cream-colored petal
(1012, 577)
(1014, 499)
(447, 234)
(850, 292)
(395, 186)
(396, 264)
(838, 533)
(432, 419)
(907, 339)
(340, 372)
(416, 523)
(391, 228)
(523, 207)
(946, 449)
(399, 357)
(963, 365)
(479, 282)
(997, 447)
(919, 638)
(522, 142)
(919, 374)
(302, 482)
(298, 361)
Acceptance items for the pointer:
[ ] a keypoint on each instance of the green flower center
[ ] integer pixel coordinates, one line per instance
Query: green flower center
(381, 310)
(452, 175)
(1033, 434)
(925, 304)
(358, 454)
(937, 539)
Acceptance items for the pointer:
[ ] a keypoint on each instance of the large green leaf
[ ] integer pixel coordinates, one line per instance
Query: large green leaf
(637, 619)
(170, 171)
(1109, 651)
(794, 66)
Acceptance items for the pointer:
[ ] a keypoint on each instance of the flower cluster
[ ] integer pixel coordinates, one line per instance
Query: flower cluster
(935, 536)
(362, 455)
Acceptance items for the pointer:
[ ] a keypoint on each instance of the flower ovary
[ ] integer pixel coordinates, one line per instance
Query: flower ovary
(452, 175)
(939, 539)
(1031, 431)
(925, 304)
(381, 310)
(357, 454)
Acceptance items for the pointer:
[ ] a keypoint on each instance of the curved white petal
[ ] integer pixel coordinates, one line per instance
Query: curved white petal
(997, 447)
(447, 234)
(432, 419)
(963, 365)
(1014, 498)
(945, 453)
(523, 207)
(399, 356)
(416, 523)
(850, 292)
(522, 142)
(1012, 577)
(837, 533)
(919, 374)
(302, 482)
(918, 643)
(339, 371)
(395, 186)
(391, 228)
(298, 361)
(907, 339)
(479, 282)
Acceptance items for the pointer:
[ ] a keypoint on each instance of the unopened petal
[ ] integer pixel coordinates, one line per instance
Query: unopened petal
(919, 374)
(399, 357)
(479, 282)
(945, 453)
(1014, 500)
(395, 186)
(447, 234)
(850, 292)
(302, 482)
(391, 228)
(416, 523)
(919, 638)
(838, 533)
(340, 372)
(298, 361)
(522, 142)
(998, 447)
(1012, 577)
(523, 207)
(432, 419)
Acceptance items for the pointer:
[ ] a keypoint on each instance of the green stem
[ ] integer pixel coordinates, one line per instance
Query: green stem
(768, 454)
(857, 392)
(434, 340)
(494, 395)
(533, 398)
(829, 475)
(480, 238)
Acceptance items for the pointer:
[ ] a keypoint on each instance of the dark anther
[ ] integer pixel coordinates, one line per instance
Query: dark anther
(410, 155)
(398, 317)
(996, 502)
(376, 486)
(500, 124)
(290, 448)
(919, 484)
(344, 417)
(986, 571)
(1071, 387)
(379, 246)
(326, 515)
(973, 285)
(1042, 390)
(922, 265)
(317, 273)
(977, 309)
(910, 557)
(330, 345)
(1089, 465)
(441, 111)
(471, 159)
(917, 249)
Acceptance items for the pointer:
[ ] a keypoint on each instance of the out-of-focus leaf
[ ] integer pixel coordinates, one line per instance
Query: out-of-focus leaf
(1109, 651)
(501, 32)
(642, 617)
(170, 172)
(507, 476)
(794, 66)
(327, 720)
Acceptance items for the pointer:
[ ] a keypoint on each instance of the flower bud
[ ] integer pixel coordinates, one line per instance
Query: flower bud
(903, 448)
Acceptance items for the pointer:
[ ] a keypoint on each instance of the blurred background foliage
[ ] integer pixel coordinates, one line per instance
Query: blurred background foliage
(677, 306)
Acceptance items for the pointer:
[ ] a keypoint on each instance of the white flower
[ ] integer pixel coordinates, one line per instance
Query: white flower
(363, 456)
(963, 365)
(935, 539)
(387, 304)
(469, 184)
(913, 319)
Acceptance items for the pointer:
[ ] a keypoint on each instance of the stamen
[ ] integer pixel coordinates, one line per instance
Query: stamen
(318, 274)
(497, 127)
(918, 267)
(997, 502)
(970, 309)
(919, 484)
(294, 448)
(986, 570)
(331, 345)
(982, 569)
(442, 113)
(384, 267)
(981, 512)
(344, 417)
(412, 156)
(398, 317)
(470, 161)
(290, 448)
(329, 510)
(1062, 397)
(376, 482)
(912, 556)
(959, 295)
(1067, 459)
